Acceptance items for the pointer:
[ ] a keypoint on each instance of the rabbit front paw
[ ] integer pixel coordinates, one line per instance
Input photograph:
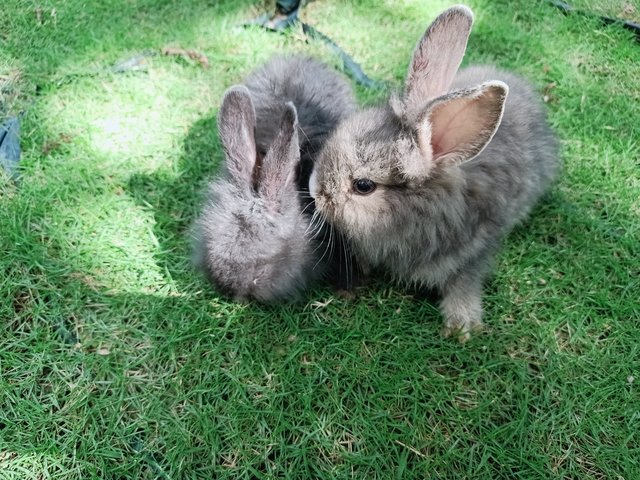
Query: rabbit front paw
(461, 328)
(462, 314)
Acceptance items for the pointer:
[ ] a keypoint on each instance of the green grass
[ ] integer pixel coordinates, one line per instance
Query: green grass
(118, 361)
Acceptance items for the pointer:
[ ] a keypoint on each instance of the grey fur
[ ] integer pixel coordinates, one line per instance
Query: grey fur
(254, 238)
(437, 220)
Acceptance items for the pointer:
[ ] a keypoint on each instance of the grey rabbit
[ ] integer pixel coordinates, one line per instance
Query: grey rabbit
(426, 186)
(254, 238)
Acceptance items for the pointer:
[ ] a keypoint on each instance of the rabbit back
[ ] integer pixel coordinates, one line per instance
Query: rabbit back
(249, 251)
(521, 161)
(322, 97)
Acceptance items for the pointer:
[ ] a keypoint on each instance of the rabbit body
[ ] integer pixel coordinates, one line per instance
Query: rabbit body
(254, 237)
(449, 182)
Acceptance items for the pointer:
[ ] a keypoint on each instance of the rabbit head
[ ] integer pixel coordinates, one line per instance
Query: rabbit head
(378, 158)
(252, 240)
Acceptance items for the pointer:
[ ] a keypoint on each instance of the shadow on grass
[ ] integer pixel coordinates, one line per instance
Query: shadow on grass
(176, 200)
(155, 422)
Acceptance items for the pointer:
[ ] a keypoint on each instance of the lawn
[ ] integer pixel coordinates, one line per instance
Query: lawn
(117, 361)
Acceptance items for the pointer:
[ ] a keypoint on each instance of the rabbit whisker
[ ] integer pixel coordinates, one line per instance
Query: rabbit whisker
(311, 227)
(328, 245)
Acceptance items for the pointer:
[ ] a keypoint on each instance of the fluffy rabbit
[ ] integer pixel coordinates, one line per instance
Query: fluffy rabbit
(254, 238)
(427, 186)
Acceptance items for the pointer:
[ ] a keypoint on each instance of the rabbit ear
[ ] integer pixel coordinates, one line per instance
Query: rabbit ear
(236, 124)
(457, 127)
(278, 167)
(437, 57)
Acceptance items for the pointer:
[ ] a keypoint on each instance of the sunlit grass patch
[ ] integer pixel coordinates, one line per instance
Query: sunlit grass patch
(128, 122)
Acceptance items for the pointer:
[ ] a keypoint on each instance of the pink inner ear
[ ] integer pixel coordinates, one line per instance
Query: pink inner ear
(463, 126)
(449, 126)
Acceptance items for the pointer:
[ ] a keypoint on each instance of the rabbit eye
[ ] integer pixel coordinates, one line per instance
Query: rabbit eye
(363, 186)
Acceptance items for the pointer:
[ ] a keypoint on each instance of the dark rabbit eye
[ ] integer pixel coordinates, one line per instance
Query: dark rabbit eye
(363, 186)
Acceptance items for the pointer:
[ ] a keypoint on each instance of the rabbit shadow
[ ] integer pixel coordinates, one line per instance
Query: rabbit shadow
(174, 199)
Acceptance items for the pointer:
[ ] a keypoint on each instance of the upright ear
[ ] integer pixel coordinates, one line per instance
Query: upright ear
(457, 127)
(236, 124)
(437, 57)
(279, 165)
